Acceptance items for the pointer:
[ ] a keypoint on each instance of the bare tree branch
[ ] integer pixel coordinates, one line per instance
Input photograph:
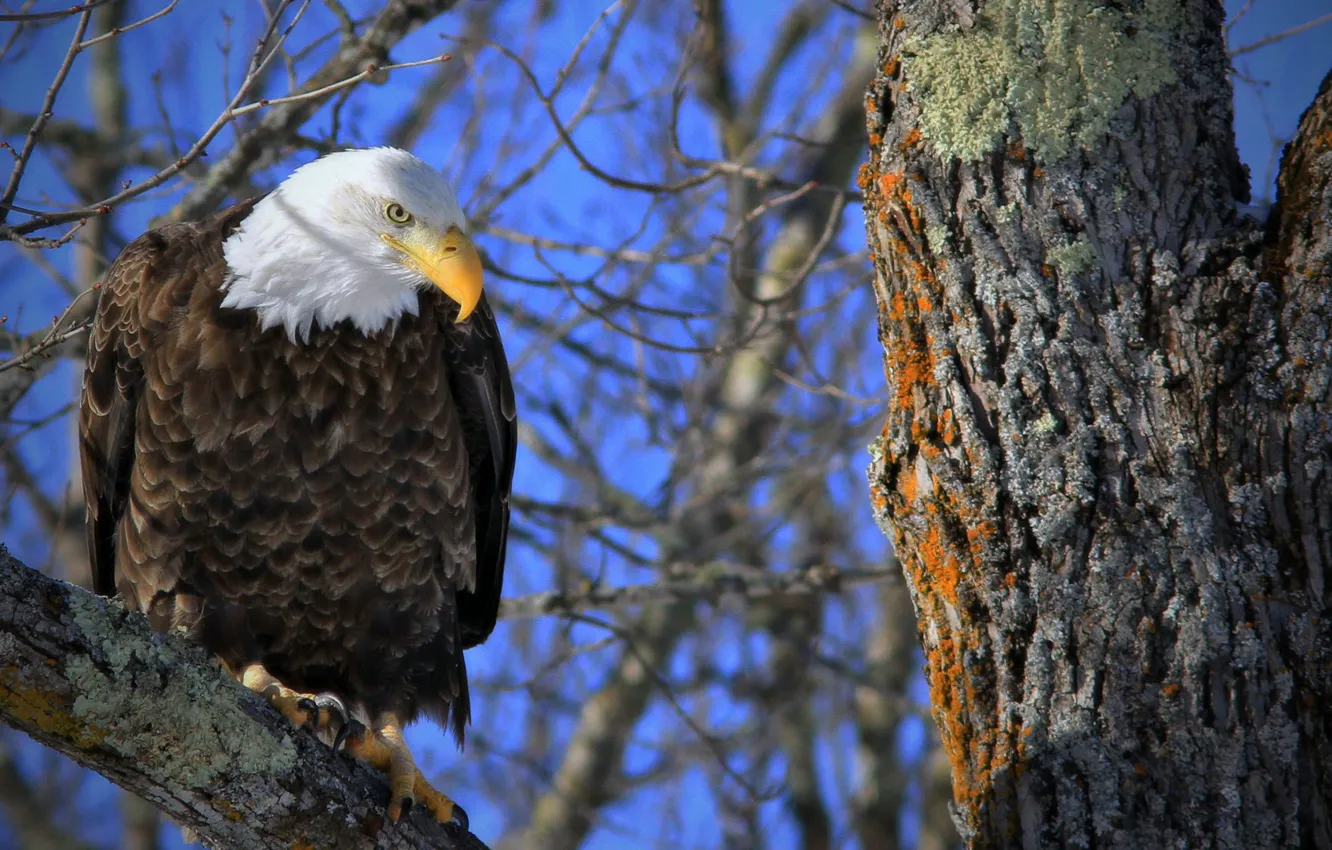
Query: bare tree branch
(1282, 36)
(281, 122)
(587, 775)
(695, 582)
(32, 17)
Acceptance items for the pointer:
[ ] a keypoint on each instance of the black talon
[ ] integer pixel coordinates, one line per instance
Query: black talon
(341, 737)
(332, 712)
(406, 804)
(333, 705)
(460, 818)
(353, 728)
(311, 708)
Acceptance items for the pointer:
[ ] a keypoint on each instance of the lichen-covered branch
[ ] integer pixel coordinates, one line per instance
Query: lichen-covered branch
(158, 717)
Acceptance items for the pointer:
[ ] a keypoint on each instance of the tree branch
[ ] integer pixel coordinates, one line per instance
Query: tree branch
(157, 716)
(587, 777)
(710, 581)
(282, 121)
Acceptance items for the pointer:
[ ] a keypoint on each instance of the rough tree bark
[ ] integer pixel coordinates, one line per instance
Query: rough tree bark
(1104, 466)
(158, 717)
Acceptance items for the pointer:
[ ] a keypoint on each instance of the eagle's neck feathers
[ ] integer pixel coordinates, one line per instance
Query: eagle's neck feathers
(299, 276)
(313, 251)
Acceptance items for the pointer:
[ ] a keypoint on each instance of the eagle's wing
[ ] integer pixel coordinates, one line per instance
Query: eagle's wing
(483, 391)
(146, 288)
(112, 382)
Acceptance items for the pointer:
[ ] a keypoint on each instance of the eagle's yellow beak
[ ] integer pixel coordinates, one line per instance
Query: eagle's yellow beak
(449, 260)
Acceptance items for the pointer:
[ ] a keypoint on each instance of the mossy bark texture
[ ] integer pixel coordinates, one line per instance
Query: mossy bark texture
(1105, 462)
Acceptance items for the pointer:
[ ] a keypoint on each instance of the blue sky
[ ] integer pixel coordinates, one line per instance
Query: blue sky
(1285, 78)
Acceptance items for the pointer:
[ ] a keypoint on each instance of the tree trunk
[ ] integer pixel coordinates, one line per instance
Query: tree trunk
(1104, 462)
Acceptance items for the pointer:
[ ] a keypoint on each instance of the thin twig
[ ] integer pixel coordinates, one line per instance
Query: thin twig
(1282, 36)
(696, 583)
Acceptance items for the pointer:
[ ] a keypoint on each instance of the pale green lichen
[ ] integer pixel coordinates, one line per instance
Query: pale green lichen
(179, 721)
(1004, 213)
(1073, 259)
(1058, 69)
(936, 235)
(1045, 425)
(875, 449)
(1119, 195)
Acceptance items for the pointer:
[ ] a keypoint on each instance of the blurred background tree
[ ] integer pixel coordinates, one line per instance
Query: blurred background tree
(705, 643)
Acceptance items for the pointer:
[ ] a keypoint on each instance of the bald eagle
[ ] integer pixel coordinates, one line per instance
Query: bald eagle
(297, 442)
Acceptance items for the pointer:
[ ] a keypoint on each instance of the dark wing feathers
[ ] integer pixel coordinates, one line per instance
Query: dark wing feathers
(111, 384)
(149, 283)
(483, 390)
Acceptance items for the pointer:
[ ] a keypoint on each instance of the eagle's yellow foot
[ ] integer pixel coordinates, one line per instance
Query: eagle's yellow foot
(324, 714)
(385, 749)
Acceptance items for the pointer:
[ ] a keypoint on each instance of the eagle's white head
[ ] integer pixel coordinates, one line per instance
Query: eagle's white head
(353, 235)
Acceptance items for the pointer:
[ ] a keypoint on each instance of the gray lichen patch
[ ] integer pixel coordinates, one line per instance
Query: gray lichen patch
(1074, 258)
(1058, 69)
(152, 699)
(936, 236)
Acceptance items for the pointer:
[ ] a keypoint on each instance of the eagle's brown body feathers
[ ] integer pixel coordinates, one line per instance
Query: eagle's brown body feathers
(335, 509)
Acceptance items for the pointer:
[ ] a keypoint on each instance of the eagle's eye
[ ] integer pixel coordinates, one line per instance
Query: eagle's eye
(397, 213)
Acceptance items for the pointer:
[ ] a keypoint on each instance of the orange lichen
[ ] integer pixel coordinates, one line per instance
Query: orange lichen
(948, 428)
(910, 365)
(863, 176)
(875, 140)
(888, 184)
(909, 487)
(909, 360)
(979, 754)
(1172, 689)
(891, 65)
(980, 536)
(897, 308)
(878, 498)
(1016, 151)
(943, 532)
(944, 569)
